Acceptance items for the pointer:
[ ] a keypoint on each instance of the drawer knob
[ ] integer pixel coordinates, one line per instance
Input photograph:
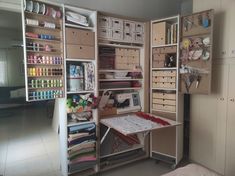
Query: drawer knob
(222, 99)
(232, 99)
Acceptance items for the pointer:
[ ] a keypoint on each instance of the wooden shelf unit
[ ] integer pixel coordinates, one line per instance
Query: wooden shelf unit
(55, 45)
(166, 101)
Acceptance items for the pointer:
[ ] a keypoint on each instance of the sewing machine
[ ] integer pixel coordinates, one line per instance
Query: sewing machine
(128, 102)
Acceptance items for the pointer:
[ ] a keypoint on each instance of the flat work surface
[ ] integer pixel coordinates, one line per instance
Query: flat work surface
(132, 124)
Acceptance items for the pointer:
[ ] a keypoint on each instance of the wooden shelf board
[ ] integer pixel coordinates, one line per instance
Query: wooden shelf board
(120, 46)
(123, 79)
(44, 28)
(164, 89)
(167, 45)
(55, 76)
(41, 15)
(81, 92)
(129, 88)
(44, 40)
(105, 71)
(121, 42)
(166, 68)
(47, 65)
(79, 60)
(164, 111)
(78, 26)
(45, 88)
(71, 124)
(45, 52)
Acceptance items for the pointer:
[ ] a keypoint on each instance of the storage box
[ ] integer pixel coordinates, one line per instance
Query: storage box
(128, 36)
(108, 111)
(166, 85)
(164, 107)
(164, 73)
(117, 24)
(104, 22)
(159, 57)
(164, 101)
(129, 26)
(79, 37)
(80, 52)
(117, 35)
(159, 33)
(139, 38)
(139, 27)
(119, 51)
(75, 84)
(105, 33)
(158, 64)
(170, 96)
(135, 52)
(164, 79)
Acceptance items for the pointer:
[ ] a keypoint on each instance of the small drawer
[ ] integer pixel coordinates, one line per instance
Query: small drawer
(128, 36)
(135, 52)
(139, 27)
(164, 79)
(120, 66)
(158, 64)
(164, 101)
(105, 33)
(163, 85)
(164, 73)
(104, 22)
(134, 59)
(79, 37)
(164, 107)
(171, 49)
(170, 96)
(121, 59)
(119, 51)
(156, 50)
(129, 26)
(159, 57)
(117, 35)
(117, 24)
(80, 52)
(139, 38)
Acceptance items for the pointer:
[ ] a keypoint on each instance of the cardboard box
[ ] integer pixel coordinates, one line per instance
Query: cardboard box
(105, 22)
(159, 57)
(170, 96)
(135, 52)
(80, 52)
(164, 101)
(79, 37)
(119, 51)
(128, 36)
(164, 107)
(159, 33)
(117, 24)
(158, 64)
(139, 38)
(117, 35)
(139, 27)
(129, 26)
(105, 33)
(108, 111)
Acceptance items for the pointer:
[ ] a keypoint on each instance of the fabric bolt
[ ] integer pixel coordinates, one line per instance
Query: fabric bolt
(83, 139)
(81, 166)
(82, 128)
(79, 137)
(71, 136)
(83, 145)
(81, 153)
(83, 159)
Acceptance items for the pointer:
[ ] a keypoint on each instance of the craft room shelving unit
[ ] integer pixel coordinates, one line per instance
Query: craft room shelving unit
(43, 50)
(165, 99)
(75, 38)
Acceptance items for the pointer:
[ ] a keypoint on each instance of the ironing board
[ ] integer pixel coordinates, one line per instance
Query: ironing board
(133, 124)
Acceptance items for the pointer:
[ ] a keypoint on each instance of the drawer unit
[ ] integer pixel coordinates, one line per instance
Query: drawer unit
(117, 24)
(105, 33)
(163, 95)
(164, 101)
(134, 52)
(159, 57)
(164, 79)
(129, 26)
(164, 73)
(133, 59)
(105, 22)
(117, 35)
(79, 37)
(159, 33)
(162, 107)
(120, 51)
(158, 64)
(80, 51)
(139, 27)
(164, 85)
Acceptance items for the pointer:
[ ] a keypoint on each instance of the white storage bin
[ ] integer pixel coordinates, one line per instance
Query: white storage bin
(139, 38)
(128, 36)
(117, 35)
(129, 26)
(117, 24)
(104, 33)
(139, 27)
(104, 22)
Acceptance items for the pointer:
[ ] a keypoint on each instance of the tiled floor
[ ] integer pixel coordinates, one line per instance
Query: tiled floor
(29, 147)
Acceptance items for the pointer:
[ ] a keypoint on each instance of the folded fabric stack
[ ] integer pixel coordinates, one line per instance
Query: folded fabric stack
(82, 147)
(76, 18)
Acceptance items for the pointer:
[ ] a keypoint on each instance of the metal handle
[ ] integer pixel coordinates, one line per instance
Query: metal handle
(222, 99)
(232, 99)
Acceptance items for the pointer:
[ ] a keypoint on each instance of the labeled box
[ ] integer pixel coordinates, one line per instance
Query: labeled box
(159, 33)
(80, 52)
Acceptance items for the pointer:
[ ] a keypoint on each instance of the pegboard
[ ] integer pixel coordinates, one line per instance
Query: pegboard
(196, 53)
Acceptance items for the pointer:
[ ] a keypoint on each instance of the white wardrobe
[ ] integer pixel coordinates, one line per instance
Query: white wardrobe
(213, 116)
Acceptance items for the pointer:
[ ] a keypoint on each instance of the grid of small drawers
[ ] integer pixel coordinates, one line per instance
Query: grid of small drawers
(164, 101)
(164, 79)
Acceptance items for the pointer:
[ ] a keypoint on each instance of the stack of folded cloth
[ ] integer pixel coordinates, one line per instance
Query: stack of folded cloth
(82, 147)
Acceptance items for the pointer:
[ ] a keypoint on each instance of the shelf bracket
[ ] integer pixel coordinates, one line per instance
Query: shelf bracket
(142, 136)
(106, 133)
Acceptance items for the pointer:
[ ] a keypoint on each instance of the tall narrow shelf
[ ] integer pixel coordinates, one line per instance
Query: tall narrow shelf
(81, 83)
(121, 72)
(43, 53)
(165, 100)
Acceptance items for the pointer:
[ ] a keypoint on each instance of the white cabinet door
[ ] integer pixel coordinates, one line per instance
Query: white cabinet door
(208, 123)
(230, 141)
(231, 41)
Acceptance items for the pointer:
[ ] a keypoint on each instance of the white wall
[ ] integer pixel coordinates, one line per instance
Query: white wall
(145, 9)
